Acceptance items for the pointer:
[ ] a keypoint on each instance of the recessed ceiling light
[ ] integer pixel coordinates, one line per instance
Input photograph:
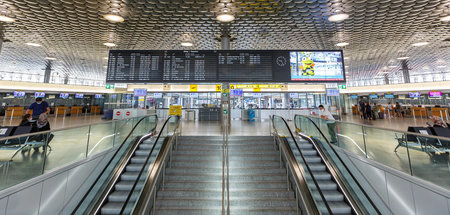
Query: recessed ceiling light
(105, 58)
(6, 19)
(33, 44)
(443, 66)
(338, 17)
(113, 18)
(225, 16)
(445, 18)
(392, 66)
(403, 58)
(109, 44)
(420, 44)
(342, 44)
(187, 44)
(50, 58)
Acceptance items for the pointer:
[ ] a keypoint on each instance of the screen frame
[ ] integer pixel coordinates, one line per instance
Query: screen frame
(77, 97)
(429, 94)
(24, 94)
(274, 79)
(409, 95)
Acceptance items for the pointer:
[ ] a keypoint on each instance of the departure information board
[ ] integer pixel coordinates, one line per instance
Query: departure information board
(171, 66)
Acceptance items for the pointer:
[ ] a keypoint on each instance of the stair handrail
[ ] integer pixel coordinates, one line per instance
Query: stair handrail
(145, 163)
(225, 165)
(121, 168)
(340, 159)
(300, 167)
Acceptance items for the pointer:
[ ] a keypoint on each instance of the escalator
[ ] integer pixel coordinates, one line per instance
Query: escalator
(119, 187)
(329, 186)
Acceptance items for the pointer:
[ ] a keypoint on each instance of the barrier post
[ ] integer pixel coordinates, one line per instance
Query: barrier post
(446, 114)
(442, 117)
(12, 114)
(414, 113)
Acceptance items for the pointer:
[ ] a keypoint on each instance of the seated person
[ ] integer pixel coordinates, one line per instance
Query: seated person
(27, 120)
(437, 122)
(42, 123)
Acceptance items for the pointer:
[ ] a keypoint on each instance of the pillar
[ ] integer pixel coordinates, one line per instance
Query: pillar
(48, 71)
(386, 79)
(406, 78)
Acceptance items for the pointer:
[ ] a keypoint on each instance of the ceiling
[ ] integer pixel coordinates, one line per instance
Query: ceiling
(73, 32)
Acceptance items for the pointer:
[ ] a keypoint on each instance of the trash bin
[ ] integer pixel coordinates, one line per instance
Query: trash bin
(251, 115)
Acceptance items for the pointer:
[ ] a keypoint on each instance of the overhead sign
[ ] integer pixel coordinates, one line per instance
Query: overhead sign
(218, 87)
(193, 87)
(175, 110)
(342, 86)
(109, 86)
(238, 66)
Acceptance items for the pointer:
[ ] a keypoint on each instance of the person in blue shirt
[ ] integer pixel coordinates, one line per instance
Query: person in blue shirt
(38, 107)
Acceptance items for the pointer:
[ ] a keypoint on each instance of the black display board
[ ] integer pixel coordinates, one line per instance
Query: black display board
(173, 66)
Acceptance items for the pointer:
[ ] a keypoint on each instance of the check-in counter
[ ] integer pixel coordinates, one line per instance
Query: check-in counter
(95, 109)
(440, 112)
(60, 110)
(76, 110)
(419, 111)
(15, 111)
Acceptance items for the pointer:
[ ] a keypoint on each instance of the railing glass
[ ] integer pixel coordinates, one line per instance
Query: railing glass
(24, 157)
(416, 154)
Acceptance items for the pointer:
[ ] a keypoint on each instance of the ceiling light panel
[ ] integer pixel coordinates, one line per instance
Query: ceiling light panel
(377, 31)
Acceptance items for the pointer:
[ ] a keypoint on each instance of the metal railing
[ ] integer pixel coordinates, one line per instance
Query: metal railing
(381, 145)
(116, 171)
(90, 139)
(309, 205)
(155, 173)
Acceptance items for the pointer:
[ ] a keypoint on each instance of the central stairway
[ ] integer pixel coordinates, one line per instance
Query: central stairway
(193, 183)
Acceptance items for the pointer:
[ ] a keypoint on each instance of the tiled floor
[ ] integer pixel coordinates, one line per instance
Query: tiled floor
(392, 123)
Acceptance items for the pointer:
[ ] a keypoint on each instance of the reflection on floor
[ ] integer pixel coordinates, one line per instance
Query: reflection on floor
(238, 128)
(58, 122)
(392, 123)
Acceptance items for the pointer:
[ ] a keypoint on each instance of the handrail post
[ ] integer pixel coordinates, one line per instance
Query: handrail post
(364, 141)
(89, 136)
(12, 114)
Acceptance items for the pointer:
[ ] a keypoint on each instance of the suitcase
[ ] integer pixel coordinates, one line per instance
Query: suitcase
(380, 115)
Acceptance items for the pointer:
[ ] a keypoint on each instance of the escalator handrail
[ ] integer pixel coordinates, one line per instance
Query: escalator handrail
(306, 164)
(146, 161)
(340, 159)
(112, 158)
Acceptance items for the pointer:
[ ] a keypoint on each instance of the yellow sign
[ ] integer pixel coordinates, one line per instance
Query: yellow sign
(232, 86)
(218, 87)
(175, 110)
(225, 90)
(193, 87)
(284, 87)
(267, 86)
(257, 89)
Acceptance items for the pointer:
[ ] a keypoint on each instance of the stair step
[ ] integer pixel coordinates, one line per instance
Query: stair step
(241, 171)
(142, 159)
(121, 196)
(218, 163)
(330, 195)
(338, 208)
(134, 167)
(113, 208)
(235, 194)
(233, 211)
(218, 177)
(251, 203)
(127, 185)
(241, 158)
(207, 185)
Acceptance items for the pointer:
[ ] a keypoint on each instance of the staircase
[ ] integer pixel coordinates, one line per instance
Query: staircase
(122, 188)
(329, 187)
(258, 185)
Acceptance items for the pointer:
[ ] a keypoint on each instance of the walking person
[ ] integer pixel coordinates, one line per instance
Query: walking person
(362, 108)
(368, 111)
(331, 124)
(38, 108)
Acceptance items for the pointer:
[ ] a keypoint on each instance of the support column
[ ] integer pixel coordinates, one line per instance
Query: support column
(48, 72)
(1, 44)
(406, 78)
(225, 95)
(386, 79)
(66, 79)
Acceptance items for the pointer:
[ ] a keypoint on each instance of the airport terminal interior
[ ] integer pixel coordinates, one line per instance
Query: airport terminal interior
(195, 107)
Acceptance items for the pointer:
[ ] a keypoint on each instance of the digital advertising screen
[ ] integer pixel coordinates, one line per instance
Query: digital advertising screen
(316, 66)
(39, 94)
(373, 96)
(98, 96)
(414, 94)
(140, 92)
(435, 94)
(64, 95)
(388, 95)
(354, 96)
(19, 93)
(79, 95)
